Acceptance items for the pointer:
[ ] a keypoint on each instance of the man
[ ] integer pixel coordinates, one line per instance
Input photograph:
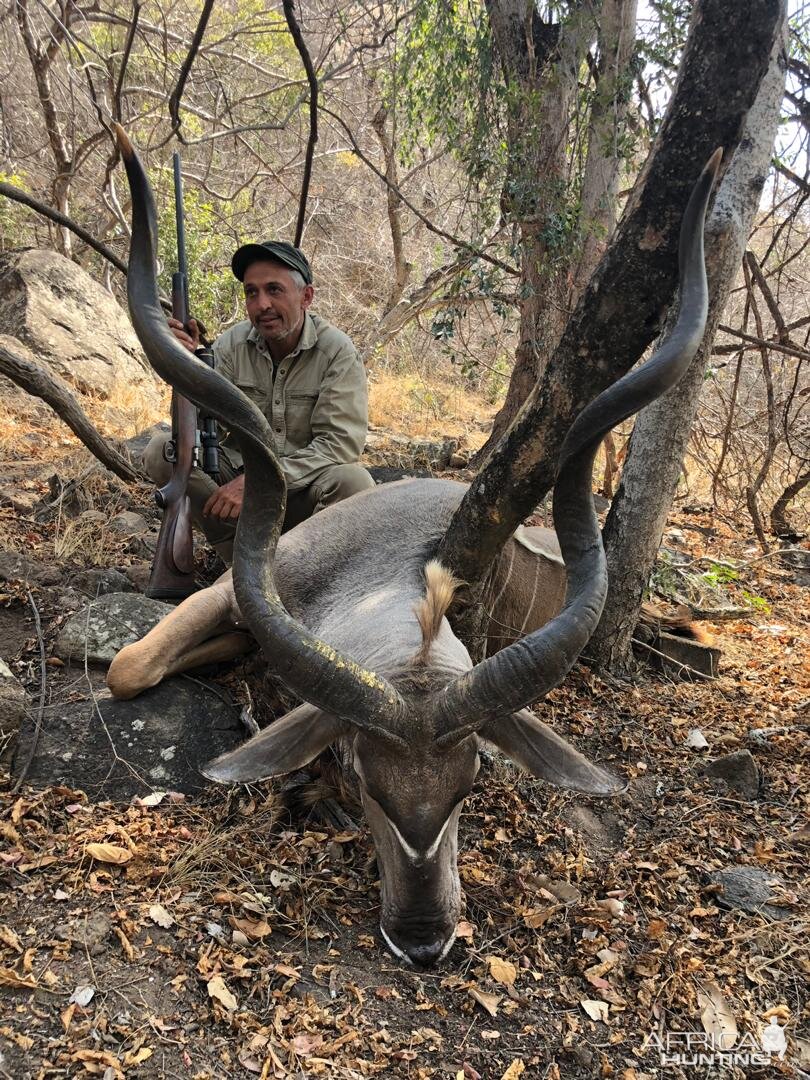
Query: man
(306, 378)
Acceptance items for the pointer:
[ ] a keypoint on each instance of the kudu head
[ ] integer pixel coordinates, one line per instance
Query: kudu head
(414, 735)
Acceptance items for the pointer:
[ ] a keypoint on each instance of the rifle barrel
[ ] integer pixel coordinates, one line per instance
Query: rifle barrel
(182, 267)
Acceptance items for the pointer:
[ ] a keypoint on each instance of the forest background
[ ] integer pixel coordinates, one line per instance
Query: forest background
(419, 196)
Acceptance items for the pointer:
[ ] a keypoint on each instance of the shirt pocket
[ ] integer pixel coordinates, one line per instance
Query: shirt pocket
(300, 406)
(259, 395)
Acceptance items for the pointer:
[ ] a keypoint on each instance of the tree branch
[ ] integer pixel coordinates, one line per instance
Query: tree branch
(312, 79)
(185, 70)
(20, 196)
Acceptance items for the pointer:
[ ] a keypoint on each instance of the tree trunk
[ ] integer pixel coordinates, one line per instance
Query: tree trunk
(633, 530)
(402, 268)
(724, 62)
(779, 522)
(600, 182)
(41, 56)
(541, 63)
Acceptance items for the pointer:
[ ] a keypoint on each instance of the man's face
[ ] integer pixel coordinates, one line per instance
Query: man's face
(275, 302)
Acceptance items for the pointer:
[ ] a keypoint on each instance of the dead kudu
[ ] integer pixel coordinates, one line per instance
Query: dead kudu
(349, 611)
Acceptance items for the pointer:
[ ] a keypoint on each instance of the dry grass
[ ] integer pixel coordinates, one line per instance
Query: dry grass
(126, 412)
(409, 404)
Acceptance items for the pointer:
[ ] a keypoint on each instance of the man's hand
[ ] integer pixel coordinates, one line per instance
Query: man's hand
(226, 502)
(188, 336)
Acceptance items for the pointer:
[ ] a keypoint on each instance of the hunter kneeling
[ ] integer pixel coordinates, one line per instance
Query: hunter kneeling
(305, 376)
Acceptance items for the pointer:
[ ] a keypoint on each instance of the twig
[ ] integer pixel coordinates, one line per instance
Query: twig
(185, 70)
(312, 79)
(119, 86)
(43, 682)
(789, 350)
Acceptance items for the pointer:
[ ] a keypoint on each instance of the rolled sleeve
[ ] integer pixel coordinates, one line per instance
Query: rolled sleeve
(339, 422)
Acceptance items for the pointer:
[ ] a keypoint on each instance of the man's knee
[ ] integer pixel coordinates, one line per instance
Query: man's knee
(339, 482)
(158, 469)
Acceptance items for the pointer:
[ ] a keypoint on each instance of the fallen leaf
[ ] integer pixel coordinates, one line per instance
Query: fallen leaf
(305, 1044)
(139, 1056)
(502, 971)
(717, 1017)
(126, 944)
(9, 937)
(251, 928)
(597, 1010)
(82, 995)
(109, 853)
(217, 989)
(159, 915)
(155, 799)
(98, 1057)
(490, 1002)
(465, 930)
(17, 982)
(613, 907)
(515, 1070)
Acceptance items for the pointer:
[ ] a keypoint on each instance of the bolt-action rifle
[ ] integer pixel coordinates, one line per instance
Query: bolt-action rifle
(193, 443)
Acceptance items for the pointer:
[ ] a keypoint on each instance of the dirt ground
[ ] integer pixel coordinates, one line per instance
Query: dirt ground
(222, 938)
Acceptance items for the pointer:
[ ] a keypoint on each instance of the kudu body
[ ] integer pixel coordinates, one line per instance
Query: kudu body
(349, 611)
(367, 548)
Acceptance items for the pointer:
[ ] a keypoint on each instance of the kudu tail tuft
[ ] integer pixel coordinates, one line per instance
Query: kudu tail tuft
(440, 589)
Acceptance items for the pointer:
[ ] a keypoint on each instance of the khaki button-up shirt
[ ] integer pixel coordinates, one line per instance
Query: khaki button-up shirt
(315, 399)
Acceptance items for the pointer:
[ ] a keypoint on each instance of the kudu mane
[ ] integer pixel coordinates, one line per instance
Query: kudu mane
(441, 587)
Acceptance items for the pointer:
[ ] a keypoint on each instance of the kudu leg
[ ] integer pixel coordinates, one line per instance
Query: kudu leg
(201, 630)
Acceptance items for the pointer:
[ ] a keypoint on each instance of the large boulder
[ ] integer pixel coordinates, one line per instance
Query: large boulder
(106, 625)
(72, 325)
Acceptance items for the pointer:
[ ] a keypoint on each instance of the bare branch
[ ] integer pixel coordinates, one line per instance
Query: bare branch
(20, 196)
(185, 70)
(306, 59)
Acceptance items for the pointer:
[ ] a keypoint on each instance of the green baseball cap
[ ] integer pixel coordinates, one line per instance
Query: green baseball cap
(273, 250)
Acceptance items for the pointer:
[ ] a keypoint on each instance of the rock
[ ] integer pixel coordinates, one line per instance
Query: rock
(405, 452)
(128, 523)
(16, 567)
(739, 771)
(72, 325)
(139, 574)
(106, 625)
(161, 738)
(95, 517)
(97, 582)
(13, 707)
(750, 890)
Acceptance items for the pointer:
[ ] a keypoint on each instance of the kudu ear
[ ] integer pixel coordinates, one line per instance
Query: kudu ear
(286, 745)
(544, 753)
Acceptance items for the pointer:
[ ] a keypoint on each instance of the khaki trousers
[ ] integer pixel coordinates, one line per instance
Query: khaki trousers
(331, 485)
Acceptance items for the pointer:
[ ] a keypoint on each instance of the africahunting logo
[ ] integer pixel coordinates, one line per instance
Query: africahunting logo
(701, 1048)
